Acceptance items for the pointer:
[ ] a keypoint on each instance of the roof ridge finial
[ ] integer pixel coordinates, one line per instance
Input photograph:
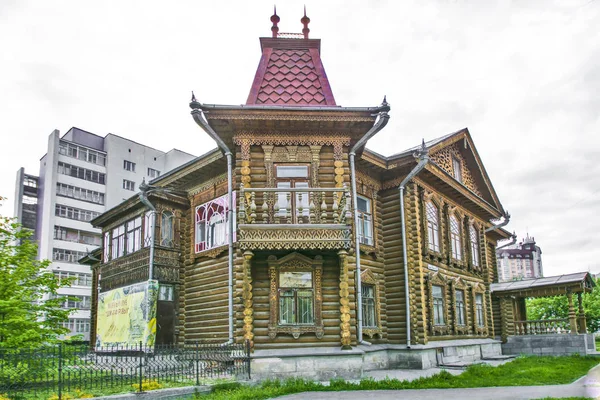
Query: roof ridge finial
(423, 151)
(305, 21)
(193, 97)
(275, 20)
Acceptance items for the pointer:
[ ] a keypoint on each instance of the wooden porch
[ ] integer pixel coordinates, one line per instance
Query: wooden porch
(512, 296)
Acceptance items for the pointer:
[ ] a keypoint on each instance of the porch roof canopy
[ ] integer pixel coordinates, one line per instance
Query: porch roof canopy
(579, 282)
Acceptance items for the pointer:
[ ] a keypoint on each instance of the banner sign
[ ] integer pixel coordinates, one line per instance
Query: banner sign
(127, 316)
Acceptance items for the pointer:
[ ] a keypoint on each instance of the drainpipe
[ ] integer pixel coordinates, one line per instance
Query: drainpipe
(500, 225)
(143, 195)
(513, 241)
(200, 119)
(423, 156)
(379, 124)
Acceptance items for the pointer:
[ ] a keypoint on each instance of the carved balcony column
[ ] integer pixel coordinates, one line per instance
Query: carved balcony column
(247, 297)
(572, 316)
(582, 321)
(345, 335)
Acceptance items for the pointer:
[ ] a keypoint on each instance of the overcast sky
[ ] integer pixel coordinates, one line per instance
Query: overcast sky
(523, 76)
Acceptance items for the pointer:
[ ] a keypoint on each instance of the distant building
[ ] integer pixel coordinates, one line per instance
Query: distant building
(81, 176)
(521, 261)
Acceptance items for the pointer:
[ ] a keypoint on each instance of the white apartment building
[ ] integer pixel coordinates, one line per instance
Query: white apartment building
(521, 261)
(81, 176)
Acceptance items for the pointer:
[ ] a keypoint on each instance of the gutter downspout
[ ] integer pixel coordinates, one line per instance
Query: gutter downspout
(512, 241)
(500, 225)
(198, 116)
(143, 195)
(423, 156)
(379, 124)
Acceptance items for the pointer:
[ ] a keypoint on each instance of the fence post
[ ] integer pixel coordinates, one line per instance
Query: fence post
(248, 363)
(197, 365)
(141, 364)
(60, 355)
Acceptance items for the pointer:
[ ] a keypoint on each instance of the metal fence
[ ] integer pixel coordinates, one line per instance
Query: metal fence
(53, 371)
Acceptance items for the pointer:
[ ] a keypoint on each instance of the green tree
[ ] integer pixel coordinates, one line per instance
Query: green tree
(30, 311)
(558, 307)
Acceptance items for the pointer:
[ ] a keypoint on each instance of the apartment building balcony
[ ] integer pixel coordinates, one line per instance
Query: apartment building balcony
(294, 219)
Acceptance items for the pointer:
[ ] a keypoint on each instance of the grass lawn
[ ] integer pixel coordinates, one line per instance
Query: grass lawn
(523, 371)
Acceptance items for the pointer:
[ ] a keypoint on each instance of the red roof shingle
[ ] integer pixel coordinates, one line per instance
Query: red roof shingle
(291, 73)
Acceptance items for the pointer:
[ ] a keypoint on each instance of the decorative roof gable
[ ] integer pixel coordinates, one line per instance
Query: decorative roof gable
(290, 72)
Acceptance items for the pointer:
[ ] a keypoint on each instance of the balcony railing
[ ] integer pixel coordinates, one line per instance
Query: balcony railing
(542, 327)
(295, 206)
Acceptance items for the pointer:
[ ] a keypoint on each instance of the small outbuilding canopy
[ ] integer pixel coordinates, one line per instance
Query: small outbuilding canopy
(579, 282)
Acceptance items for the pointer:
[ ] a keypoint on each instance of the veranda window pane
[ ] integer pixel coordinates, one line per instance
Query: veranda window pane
(292, 171)
(286, 307)
(305, 307)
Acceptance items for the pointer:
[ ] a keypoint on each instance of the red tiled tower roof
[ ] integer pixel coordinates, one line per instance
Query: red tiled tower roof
(290, 72)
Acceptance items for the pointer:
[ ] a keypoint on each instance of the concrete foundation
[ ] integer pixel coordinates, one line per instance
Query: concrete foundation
(329, 363)
(557, 344)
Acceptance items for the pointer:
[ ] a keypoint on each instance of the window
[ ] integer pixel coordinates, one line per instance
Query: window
(134, 235)
(78, 279)
(128, 166)
(479, 310)
(124, 239)
(368, 306)
(438, 305)
(365, 220)
(118, 242)
(455, 240)
(166, 292)
(82, 325)
(76, 236)
(81, 173)
(81, 153)
(75, 213)
(460, 307)
(106, 249)
(212, 225)
(457, 169)
(296, 298)
(289, 177)
(433, 226)
(71, 301)
(474, 245)
(78, 193)
(166, 229)
(67, 256)
(129, 185)
(152, 173)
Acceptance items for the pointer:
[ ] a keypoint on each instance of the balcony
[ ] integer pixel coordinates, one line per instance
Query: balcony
(294, 219)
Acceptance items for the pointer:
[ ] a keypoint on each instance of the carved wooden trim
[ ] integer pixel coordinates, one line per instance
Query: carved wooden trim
(345, 334)
(443, 158)
(206, 185)
(247, 298)
(295, 262)
(280, 138)
(439, 280)
(479, 288)
(368, 277)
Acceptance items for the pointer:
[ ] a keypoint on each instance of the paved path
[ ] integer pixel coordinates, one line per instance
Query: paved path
(588, 386)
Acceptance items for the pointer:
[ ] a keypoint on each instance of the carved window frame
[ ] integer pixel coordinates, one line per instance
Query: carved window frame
(439, 205)
(479, 288)
(436, 279)
(369, 278)
(461, 329)
(219, 206)
(368, 188)
(454, 211)
(295, 262)
(474, 247)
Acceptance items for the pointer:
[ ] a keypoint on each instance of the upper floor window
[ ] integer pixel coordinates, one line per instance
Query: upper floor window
(212, 224)
(455, 239)
(78, 193)
(296, 298)
(128, 166)
(167, 229)
(368, 306)
(433, 226)
(67, 256)
(438, 305)
(292, 177)
(81, 153)
(129, 185)
(460, 307)
(457, 169)
(474, 245)
(124, 239)
(365, 220)
(74, 213)
(153, 173)
(81, 173)
(479, 309)
(166, 292)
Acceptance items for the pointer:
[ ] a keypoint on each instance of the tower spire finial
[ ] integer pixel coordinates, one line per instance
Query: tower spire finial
(305, 21)
(275, 20)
